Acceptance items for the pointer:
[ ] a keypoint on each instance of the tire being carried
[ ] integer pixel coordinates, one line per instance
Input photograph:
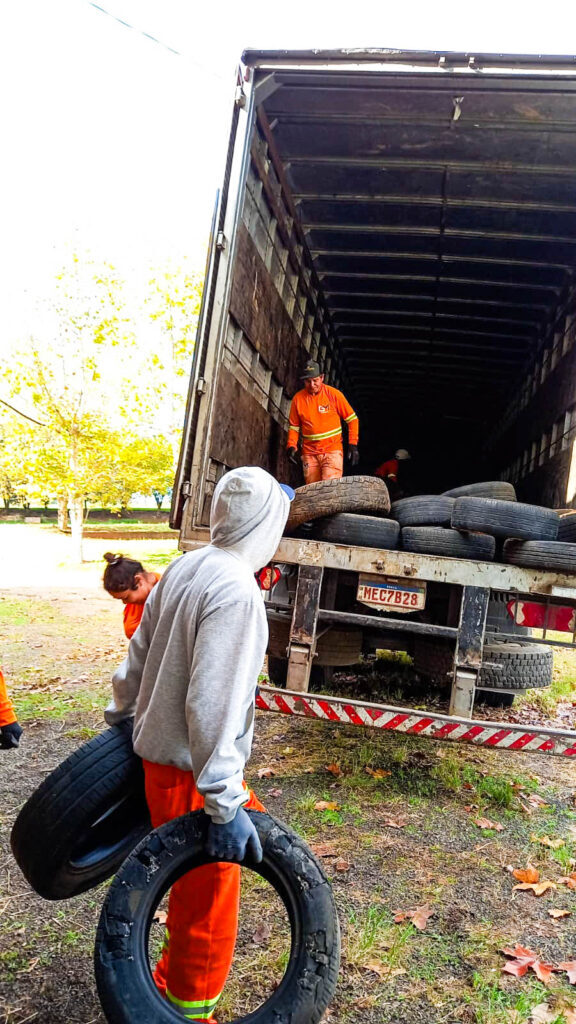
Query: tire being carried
(364, 531)
(75, 830)
(123, 976)
(346, 494)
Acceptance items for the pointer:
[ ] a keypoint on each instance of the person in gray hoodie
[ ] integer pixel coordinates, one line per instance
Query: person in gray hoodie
(189, 681)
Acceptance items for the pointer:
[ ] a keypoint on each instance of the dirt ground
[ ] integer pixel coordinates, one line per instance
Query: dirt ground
(412, 824)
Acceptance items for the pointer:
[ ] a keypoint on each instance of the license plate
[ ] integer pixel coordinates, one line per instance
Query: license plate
(391, 595)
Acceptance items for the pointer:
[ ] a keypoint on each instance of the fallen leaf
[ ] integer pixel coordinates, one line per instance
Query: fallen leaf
(309, 771)
(342, 865)
(542, 971)
(288, 750)
(569, 880)
(535, 800)
(418, 917)
(525, 959)
(334, 769)
(538, 888)
(160, 917)
(326, 805)
(559, 913)
(384, 970)
(265, 773)
(529, 874)
(570, 967)
(543, 1014)
(393, 824)
(377, 773)
(275, 793)
(486, 823)
(516, 967)
(262, 933)
(553, 844)
(324, 849)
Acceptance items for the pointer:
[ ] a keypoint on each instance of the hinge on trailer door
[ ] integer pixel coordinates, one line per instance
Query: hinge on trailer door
(220, 240)
(186, 489)
(200, 386)
(240, 97)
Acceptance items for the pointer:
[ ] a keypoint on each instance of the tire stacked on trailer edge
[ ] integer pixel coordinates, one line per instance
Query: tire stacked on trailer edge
(75, 830)
(436, 540)
(363, 531)
(123, 977)
(505, 519)
(557, 556)
(567, 525)
(500, 489)
(505, 666)
(344, 494)
(423, 510)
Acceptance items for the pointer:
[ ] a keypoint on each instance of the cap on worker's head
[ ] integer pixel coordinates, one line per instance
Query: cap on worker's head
(311, 370)
(402, 454)
(288, 490)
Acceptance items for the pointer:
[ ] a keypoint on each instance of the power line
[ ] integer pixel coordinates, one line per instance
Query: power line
(133, 28)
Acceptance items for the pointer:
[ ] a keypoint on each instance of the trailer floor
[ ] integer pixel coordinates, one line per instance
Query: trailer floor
(400, 837)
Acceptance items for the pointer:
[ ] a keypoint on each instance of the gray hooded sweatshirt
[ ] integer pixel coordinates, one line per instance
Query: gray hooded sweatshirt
(193, 663)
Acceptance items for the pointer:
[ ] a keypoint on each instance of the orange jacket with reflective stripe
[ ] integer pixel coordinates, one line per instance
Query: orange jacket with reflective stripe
(7, 715)
(133, 613)
(388, 470)
(315, 419)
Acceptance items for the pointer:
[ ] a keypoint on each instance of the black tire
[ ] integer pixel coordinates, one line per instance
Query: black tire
(567, 525)
(500, 489)
(558, 556)
(424, 510)
(435, 540)
(84, 819)
(505, 519)
(365, 531)
(123, 977)
(505, 665)
(498, 620)
(335, 646)
(344, 494)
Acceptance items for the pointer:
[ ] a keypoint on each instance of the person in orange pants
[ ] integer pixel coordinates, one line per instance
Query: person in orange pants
(127, 581)
(189, 681)
(315, 419)
(10, 728)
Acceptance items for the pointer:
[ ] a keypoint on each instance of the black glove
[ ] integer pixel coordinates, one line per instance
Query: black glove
(235, 840)
(353, 454)
(10, 736)
(293, 456)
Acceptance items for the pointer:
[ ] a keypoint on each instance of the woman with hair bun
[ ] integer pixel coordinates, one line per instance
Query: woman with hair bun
(127, 580)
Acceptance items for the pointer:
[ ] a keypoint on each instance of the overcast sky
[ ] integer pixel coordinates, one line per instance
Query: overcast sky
(114, 144)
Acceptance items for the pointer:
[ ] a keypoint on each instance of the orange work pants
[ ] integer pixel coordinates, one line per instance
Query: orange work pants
(203, 906)
(7, 715)
(322, 466)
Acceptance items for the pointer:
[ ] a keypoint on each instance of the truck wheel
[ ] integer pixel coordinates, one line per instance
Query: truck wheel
(500, 489)
(334, 647)
(559, 556)
(81, 823)
(365, 531)
(123, 976)
(436, 540)
(346, 494)
(424, 510)
(507, 666)
(505, 518)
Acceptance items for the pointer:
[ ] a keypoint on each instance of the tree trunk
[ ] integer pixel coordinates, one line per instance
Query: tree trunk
(77, 527)
(62, 512)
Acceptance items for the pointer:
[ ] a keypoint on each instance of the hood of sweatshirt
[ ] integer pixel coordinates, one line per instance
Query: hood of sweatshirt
(248, 515)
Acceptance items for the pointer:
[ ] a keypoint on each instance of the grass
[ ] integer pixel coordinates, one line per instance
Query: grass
(43, 704)
(491, 1003)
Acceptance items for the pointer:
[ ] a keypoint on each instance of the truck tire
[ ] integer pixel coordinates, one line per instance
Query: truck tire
(123, 976)
(508, 666)
(505, 519)
(424, 510)
(344, 494)
(498, 620)
(559, 556)
(364, 531)
(567, 525)
(75, 830)
(436, 540)
(500, 489)
(333, 647)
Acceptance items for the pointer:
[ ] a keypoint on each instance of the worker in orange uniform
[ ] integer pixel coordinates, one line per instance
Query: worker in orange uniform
(10, 729)
(127, 581)
(390, 472)
(315, 419)
(189, 682)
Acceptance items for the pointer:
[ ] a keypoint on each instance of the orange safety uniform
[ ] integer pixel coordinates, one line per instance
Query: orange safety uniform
(388, 470)
(316, 421)
(133, 613)
(7, 714)
(203, 906)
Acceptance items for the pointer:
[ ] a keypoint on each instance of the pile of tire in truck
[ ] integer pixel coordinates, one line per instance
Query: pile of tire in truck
(482, 522)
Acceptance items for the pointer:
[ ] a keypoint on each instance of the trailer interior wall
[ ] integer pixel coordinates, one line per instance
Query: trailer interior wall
(415, 230)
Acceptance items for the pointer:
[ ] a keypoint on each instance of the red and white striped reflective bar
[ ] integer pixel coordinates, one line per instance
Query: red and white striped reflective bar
(500, 735)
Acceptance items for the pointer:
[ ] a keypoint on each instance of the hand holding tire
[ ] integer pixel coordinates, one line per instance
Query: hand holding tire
(293, 456)
(10, 736)
(353, 455)
(234, 841)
